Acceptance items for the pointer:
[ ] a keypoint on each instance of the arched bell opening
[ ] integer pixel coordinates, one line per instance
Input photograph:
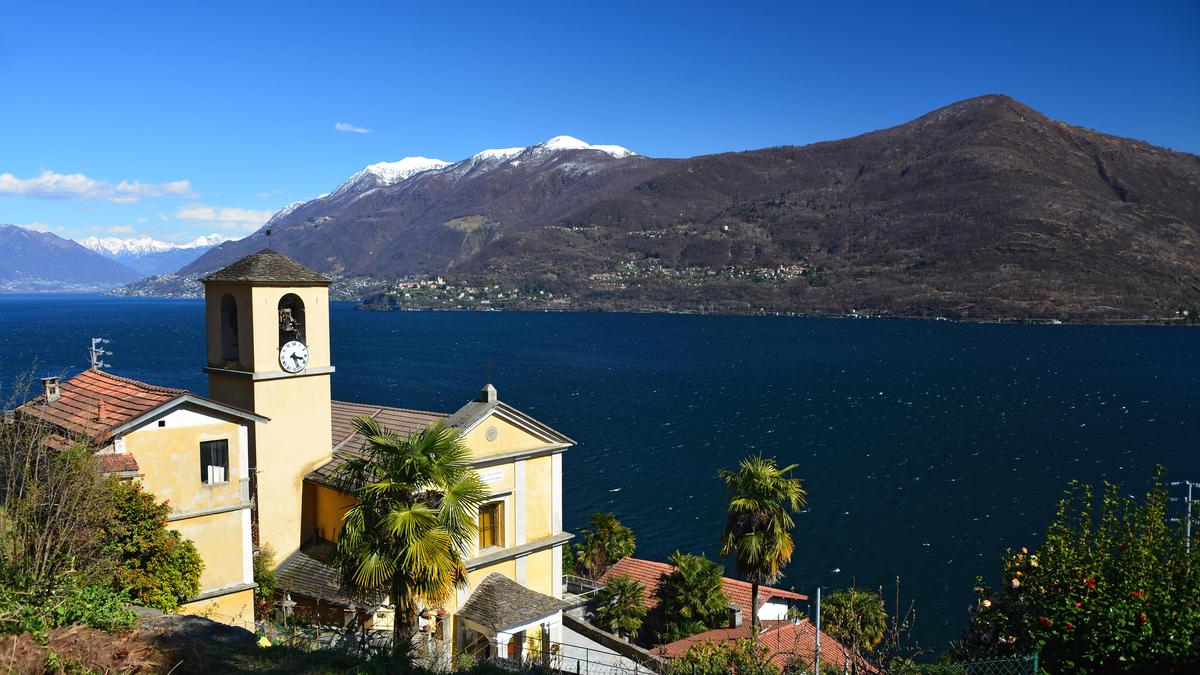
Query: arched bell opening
(291, 319)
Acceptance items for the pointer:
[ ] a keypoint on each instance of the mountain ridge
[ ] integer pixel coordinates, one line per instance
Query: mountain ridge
(984, 208)
(32, 261)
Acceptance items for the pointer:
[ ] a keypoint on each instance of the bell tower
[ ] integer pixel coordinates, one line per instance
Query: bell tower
(267, 319)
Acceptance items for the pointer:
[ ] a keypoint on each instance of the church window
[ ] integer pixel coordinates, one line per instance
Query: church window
(291, 319)
(214, 462)
(229, 329)
(491, 525)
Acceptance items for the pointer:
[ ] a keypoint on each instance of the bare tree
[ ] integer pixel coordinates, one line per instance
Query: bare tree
(53, 498)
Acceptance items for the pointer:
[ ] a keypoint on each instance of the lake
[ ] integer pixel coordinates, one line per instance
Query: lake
(927, 448)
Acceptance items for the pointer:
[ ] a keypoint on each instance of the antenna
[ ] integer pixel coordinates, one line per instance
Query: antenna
(97, 353)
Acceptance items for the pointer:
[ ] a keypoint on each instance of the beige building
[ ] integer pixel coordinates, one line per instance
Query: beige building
(188, 450)
(269, 351)
(253, 465)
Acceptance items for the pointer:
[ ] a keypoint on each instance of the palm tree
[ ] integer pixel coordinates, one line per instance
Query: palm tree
(604, 544)
(691, 599)
(621, 605)
(413, 520)
(856, 617)
(762, 498)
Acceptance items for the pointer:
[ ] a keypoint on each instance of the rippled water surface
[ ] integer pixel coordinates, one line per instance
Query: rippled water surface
(927, 448)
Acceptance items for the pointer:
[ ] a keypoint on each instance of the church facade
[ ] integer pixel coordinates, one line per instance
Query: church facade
(269, 369)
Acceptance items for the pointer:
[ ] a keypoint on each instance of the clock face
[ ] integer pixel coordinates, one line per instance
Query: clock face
(293, 356)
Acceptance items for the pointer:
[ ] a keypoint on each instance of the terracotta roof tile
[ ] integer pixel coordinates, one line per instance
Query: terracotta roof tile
(346, 443)
(784, 640)
(270, 267)
(112, 462)
(93, 403)
(649, 573)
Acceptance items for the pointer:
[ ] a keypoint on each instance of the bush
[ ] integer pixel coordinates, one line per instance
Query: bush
(158, 566)
(711, 658)
(65, 603)
(1109, 591)
(264, 573)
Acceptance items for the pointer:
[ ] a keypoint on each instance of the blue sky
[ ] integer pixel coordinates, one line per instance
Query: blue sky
(179, 119)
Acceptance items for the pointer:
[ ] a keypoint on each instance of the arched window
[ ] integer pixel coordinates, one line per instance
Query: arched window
(229, 329)
(291, 319)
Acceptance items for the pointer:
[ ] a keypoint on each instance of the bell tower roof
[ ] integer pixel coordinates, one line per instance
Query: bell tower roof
(268, 267)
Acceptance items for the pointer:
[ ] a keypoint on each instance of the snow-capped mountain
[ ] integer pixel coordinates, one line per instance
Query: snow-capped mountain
(149, 256)
(388, 173)
(491, 189)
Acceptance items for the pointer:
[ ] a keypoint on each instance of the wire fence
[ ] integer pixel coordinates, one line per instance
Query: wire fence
(1019, 665)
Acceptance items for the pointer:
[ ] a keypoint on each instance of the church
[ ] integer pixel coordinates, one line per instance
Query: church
(252, 465)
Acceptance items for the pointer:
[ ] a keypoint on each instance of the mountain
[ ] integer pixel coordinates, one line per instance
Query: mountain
(41, 261)
(982, 209)
(149, 256)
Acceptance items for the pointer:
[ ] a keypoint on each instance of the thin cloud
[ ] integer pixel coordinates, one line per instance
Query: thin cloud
(350, 128)
(225, 217)
(54, 185)
(121, 229)
(39, 227)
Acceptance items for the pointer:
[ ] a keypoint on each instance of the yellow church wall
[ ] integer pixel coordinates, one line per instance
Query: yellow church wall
(539, 501)
(236, 609)
(509, 439)
(539, 572)
(294, 442)
(497, 479)
(169, 459)
(327, 508)
(218, 538)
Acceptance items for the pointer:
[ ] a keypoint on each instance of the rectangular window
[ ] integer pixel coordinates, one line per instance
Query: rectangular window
(491, 525)
(214, 462)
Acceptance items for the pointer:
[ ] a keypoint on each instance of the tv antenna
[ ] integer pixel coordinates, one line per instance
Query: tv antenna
(97, 353)
(268, 232)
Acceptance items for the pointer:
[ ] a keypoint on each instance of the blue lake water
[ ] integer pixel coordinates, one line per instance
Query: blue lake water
(927, 448)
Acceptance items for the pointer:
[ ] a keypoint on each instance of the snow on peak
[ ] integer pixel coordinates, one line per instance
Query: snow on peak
(498, 153)
(394, 172)
(144, 244)
(389, 173)
(562, 143)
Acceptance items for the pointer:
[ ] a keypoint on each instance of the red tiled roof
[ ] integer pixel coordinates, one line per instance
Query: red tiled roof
(346, 442)
(113, 462)
(93, 403)
(649, 573)
(784, 641)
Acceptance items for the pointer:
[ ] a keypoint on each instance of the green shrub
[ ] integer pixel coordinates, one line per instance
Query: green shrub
(158, 566)
(66, 603)
(1109, 590)
(264, 573)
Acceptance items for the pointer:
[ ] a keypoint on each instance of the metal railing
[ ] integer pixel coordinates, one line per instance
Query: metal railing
(581, 589)
(552, 656)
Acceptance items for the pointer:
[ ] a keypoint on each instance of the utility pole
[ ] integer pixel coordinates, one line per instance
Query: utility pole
(1187, 527)
(817, 648)
(96, 354)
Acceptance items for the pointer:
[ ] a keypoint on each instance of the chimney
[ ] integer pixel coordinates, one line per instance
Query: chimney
(101, 411)
(50, 388)
(487, 394)
(735, 616)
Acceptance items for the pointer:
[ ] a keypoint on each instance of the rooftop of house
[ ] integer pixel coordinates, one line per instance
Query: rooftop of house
(95, 405)
(269, 267)
(500, 603)
(649, 573)
(346, 443)
(785, 641)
